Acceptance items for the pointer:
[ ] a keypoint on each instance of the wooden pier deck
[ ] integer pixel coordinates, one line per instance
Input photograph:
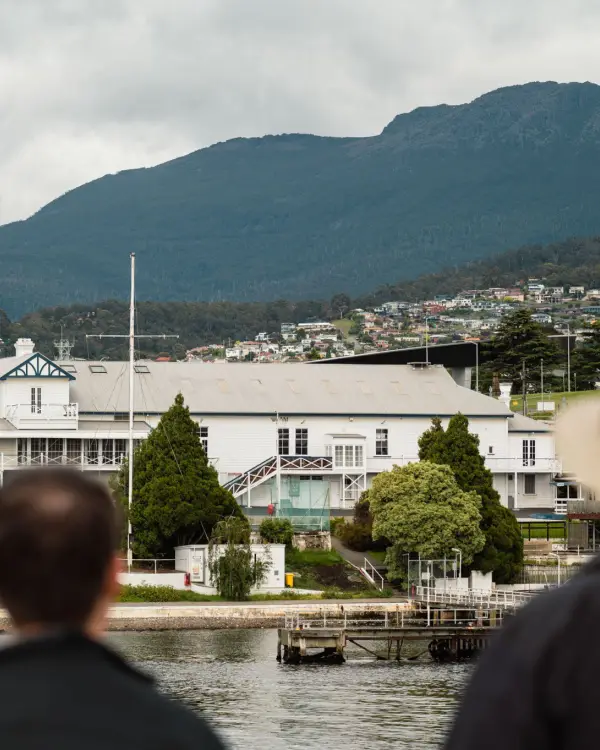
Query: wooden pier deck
(450, 634)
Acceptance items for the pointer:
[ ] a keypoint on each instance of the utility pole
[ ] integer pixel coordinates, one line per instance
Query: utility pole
(426, 339)
(524, 389)
(569, 358)
(542, 376)
(132, 336)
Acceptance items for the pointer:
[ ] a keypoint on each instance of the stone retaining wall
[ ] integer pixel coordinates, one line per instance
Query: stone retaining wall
(201, 616)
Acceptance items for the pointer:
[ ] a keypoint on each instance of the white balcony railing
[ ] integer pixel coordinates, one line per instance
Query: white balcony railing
(45, 459)
(35, 415)
(496, 464)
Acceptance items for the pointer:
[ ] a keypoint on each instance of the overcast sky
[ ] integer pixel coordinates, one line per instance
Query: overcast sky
(95, 86)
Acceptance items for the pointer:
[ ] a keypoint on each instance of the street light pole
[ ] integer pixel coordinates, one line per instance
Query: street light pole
(426, 339)
(557, 556)
(569, 358)
(459, 553)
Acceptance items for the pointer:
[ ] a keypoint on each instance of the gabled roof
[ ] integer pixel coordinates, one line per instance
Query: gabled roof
(286, 389)
(35, 365)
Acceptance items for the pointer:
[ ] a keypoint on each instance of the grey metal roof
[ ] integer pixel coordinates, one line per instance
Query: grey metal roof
(519, 423)
(247, 388)
(9, 363)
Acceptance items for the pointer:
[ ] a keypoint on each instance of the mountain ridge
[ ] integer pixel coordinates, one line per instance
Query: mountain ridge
(300, 216)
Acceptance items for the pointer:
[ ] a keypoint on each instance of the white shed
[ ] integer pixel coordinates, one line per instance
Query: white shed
(193, 559)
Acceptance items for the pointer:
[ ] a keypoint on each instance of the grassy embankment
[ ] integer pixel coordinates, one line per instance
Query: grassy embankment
(516, 402)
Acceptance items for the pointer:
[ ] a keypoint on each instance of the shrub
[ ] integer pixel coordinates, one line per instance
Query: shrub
(357, 536)
(277, 531)
(145, 592)
(336, 525)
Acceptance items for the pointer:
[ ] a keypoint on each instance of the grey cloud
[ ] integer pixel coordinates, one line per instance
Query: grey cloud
(92, 86)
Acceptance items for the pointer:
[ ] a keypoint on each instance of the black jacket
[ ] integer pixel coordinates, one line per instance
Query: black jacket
(66, 692)
(538, 686)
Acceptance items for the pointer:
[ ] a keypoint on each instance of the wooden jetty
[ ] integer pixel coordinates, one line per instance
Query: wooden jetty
(450, 634)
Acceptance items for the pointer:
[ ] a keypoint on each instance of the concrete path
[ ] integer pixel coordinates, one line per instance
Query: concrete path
(355, 558)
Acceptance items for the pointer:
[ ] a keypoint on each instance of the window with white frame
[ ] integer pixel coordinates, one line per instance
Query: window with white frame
(339, 455)
(204, 439)
(302, 441)
(359, 455)
(120, 449)
(349, 456)
(73, 450)
(529, 488)
(38, 450)
(108, 451)
(36, 400)
(91, 449)
(22, 450)
(283, 441)
(381, 442)
(55, 450)
(528, 452)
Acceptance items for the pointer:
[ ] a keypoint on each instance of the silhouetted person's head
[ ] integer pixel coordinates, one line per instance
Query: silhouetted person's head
(58, 542)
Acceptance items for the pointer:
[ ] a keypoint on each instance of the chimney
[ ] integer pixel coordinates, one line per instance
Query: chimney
(24, 347)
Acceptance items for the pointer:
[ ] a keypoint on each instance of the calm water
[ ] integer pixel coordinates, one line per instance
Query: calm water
(258, 704)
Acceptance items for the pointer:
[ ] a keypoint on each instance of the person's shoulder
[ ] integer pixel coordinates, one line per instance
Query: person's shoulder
(554, 614)
(187, 729)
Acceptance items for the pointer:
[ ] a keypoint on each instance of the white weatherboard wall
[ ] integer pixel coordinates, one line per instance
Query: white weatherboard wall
(18, 390)
(242, 442)
(187, 557)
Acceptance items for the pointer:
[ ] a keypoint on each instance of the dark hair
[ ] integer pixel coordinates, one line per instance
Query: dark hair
(58, 534)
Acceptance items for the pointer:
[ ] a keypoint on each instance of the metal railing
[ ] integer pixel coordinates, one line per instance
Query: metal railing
(473, 597)
(47, 459)
(17, 413)
(583, 507)
(150, 564)
(401, 618)
(274, 464)
(372, 575)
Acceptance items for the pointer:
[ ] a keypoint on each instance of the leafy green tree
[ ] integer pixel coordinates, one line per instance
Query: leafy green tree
(421, 509)
(519, 340)
(459, 449)
(586, 360)
(177, 498)
(234, 569)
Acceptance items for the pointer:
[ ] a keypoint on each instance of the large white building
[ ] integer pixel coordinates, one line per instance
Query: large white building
(286, 435)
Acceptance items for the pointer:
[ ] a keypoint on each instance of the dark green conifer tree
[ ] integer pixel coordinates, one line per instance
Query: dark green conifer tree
(177, 498)
(458, 448)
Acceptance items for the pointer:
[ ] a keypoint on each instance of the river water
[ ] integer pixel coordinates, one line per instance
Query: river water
(232, 677)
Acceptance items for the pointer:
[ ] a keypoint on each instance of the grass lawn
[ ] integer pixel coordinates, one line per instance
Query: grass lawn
(343, 325)
(165, 594)
(516, 402)
(308, 566)
(378, 555)
(539, 532)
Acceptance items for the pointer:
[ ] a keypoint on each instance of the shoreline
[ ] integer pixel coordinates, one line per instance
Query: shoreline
(234, 615)
(229, 615)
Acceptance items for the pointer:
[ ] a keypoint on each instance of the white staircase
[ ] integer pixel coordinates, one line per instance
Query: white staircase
(271, 466)
(372, 575)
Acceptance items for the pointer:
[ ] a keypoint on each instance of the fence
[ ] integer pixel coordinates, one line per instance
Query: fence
(401, 618)
(152, 564)
(473, 597)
